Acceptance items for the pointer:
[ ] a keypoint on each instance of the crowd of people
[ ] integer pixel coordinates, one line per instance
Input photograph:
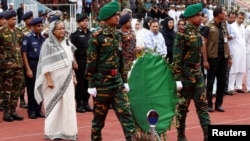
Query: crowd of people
(205, 45)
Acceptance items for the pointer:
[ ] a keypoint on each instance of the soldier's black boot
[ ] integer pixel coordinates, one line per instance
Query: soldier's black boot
(22, 102)
(205, 133)
(1, 107)
(6, 114)
(14, 115)
(181, 135)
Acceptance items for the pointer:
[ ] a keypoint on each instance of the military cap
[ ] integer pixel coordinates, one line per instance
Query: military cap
(1, 15)
(192, 10)
(27, 15)
(81, 17)
(54, 18)
(108, 10)
(9, 14)
(124, 19)
(37, 20)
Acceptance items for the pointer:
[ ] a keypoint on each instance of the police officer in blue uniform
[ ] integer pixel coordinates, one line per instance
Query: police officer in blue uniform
(80, 39)
(31, 46)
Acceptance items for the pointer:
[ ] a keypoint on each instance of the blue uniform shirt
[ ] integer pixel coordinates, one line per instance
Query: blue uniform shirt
(32, 45)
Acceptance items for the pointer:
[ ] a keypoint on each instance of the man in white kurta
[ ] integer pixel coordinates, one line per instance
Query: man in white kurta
(154, 40)
(238, 52)
(247, 31)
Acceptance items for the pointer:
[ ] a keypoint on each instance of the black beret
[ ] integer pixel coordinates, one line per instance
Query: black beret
(54, 18)
(1, 15)
(9, 14)
(27, 15)
(81, 17)
(37, 20)
(124, 19)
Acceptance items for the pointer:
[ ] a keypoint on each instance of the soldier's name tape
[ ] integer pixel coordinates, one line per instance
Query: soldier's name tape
(241, 132)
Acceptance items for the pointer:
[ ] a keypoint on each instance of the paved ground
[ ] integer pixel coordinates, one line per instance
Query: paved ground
(237, 111)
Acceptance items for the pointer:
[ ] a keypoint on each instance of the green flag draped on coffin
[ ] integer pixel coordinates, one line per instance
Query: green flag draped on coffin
(152, 86)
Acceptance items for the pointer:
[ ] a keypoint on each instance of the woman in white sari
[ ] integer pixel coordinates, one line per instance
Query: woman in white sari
(55, 85)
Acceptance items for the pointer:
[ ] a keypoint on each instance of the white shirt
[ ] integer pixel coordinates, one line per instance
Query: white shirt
(155, 41)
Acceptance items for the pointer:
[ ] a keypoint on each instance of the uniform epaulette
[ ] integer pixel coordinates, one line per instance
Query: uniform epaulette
(96, 33)
(29, 34)
(18, 29)
(3, 27)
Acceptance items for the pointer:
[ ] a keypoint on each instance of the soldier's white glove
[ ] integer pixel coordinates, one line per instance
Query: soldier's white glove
(126, 87)
(178, 85)
(92, 91)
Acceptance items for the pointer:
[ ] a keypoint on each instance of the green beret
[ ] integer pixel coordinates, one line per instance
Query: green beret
(108, 10)
(192, 10)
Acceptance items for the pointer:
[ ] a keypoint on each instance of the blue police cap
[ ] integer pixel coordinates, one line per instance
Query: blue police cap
(9, 14)
(27, 15)
(37, 20)
(1, 15)
(54, 18)
(124, 19)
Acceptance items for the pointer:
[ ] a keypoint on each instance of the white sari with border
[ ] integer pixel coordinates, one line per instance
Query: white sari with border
(59, 102)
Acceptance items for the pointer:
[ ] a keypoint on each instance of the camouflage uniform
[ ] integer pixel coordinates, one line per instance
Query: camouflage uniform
(128, 48)
(11, 69)
(105, 72)
(186, 68)
(26, 31)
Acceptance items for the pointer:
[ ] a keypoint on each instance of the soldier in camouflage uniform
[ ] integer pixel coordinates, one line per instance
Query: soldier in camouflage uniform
(128, 41)
(186, 68)
(2, 24)
(106, 74)
(27, 17)
(11, 66)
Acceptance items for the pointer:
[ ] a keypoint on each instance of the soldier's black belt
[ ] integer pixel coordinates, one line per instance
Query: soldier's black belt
(108, 71)
(192, 65)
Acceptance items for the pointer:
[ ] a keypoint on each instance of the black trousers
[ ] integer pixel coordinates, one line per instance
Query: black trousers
(81, 94)
(218, 68)
(33, 106)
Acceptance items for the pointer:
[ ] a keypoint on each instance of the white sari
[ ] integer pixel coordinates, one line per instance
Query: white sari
(59, 102)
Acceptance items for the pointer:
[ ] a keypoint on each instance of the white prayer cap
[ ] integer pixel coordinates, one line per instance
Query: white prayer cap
(11, 3)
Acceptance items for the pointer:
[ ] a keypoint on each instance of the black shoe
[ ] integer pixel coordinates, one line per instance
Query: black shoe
(88, 108)
(23, 105)
(32, 116)
(8, 119)
(229, 93)
(80, 109)
(240, 91)
(40, 115)
(15, 116)
(210, 109)
(111, 107)
(219, 109)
